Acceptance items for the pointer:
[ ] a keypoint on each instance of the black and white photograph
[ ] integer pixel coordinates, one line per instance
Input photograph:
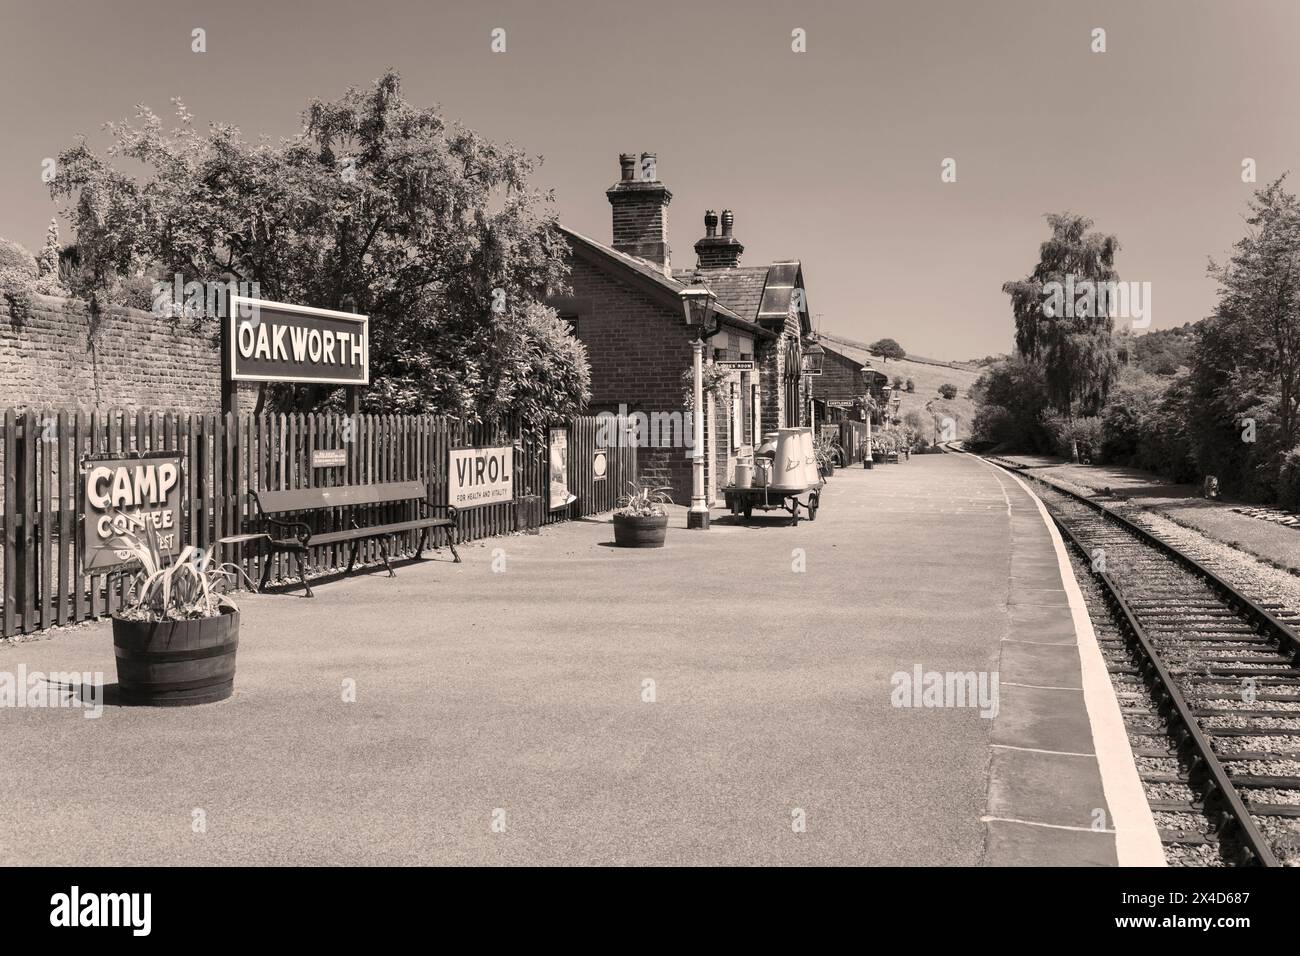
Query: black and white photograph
(586, 434)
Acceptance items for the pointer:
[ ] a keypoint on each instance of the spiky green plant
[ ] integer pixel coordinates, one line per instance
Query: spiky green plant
(644, 501)
(826, 449)
(188, 586)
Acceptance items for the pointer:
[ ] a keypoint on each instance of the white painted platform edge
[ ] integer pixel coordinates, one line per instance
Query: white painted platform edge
(1137, 840)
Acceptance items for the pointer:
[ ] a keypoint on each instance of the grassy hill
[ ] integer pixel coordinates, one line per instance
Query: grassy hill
(926, 398)
(928, 374)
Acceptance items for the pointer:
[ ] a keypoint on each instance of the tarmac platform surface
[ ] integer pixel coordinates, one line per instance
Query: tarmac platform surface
(728, 699)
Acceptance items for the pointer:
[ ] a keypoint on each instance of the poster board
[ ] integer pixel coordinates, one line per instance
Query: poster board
(558, 463)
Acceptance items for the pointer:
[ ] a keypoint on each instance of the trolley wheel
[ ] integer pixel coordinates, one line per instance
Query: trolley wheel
(749, 511)
(813, 504)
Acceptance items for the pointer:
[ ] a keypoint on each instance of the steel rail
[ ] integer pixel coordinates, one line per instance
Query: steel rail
(1219, 781)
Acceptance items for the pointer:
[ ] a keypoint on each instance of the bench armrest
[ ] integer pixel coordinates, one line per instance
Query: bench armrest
(452, 514)
(298, 529)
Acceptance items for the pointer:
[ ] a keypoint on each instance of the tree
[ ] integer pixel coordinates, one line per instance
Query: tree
(1010, 397)
(428, 228)
(1247, 362)
(48, 264)
(948, 391)
(886, 349)
(1074, 344)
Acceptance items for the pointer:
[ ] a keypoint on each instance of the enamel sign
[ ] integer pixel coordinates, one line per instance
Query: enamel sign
(276, 342)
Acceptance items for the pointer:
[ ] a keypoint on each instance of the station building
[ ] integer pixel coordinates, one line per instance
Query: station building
(848, 377)
(625, 305)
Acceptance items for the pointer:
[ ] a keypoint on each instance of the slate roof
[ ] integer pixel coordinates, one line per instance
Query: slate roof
(759, 293)
(739, 289)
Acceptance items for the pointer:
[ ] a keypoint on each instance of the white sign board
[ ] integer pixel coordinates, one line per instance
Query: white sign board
(480, 476)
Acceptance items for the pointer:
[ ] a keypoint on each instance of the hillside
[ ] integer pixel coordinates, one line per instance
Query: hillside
(927, 374)
(926, 398)
(1164, 351)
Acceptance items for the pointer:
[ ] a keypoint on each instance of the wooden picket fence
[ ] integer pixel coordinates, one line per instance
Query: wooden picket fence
(224, 459)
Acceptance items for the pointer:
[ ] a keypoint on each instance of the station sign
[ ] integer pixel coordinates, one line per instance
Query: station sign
(480, 476)
(278, 342)
(127, 495)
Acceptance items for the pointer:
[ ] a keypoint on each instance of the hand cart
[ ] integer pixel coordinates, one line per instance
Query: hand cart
(743, 501)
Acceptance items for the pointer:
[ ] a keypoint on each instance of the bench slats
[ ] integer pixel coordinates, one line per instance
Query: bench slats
(305, 499)
(353, 534)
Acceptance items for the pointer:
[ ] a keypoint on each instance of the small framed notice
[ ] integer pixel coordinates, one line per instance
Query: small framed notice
(329, 457)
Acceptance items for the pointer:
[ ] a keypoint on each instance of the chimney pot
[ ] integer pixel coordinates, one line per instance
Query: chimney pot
(718, 251)
(640, 207)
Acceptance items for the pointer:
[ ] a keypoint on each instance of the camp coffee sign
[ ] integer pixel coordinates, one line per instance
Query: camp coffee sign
(128, 495)
(480, 476)
(278, 342)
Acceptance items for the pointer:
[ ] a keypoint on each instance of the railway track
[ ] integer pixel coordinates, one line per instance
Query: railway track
(1207, 681)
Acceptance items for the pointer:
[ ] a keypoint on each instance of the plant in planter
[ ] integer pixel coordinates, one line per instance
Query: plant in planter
(177, 633)
(828, 452)
(641, 521)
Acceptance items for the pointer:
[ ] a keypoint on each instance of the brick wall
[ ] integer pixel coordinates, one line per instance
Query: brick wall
(638, 350)
(59, 357)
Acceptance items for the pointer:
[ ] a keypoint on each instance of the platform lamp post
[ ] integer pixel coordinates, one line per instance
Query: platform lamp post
(699, 303)
(867, 401)
(811, 364)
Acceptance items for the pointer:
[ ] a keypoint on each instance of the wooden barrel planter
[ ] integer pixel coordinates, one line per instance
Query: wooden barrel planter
(634, 532)
(176, 663)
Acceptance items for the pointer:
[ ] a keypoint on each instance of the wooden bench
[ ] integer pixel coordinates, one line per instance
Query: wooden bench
(294, 537)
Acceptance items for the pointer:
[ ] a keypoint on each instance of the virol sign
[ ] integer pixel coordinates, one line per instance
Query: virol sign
(480, 476)
(128, 495)
(277, 342)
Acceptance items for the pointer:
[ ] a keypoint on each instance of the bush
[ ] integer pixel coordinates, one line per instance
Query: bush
(948, 391)
(995, 425)
(1288, 483)
(1010, 397)
(911, 385)
(15, 258)
(1084, 430)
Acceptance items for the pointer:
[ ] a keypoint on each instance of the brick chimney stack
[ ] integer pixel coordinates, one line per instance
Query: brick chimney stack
(718, 251)
(640, 204)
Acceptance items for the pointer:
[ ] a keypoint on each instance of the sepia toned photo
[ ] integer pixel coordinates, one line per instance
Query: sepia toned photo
(581, 434)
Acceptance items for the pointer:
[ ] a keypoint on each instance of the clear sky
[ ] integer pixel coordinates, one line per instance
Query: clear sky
(831, 156)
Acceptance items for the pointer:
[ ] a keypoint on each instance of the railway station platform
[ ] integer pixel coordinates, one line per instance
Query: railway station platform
(903, 681)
